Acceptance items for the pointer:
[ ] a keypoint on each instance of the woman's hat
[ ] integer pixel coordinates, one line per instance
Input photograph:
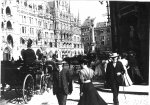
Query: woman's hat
(113, 55)
(85, 61)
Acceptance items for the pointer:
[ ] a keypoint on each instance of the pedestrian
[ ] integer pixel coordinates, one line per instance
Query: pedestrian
(88, 93)
(62, 83)
(124, 61)
(99, 70)
(29, 56)
(114, 72)
(134, 70)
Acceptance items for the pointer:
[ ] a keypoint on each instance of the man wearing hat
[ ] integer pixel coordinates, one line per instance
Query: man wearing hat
(29, 55)
(114, 72)
(62, 83)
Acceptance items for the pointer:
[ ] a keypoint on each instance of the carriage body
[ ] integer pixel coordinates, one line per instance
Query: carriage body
(25, 80)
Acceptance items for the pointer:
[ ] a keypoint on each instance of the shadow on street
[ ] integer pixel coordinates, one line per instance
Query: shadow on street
(12, 97)
(100, 87)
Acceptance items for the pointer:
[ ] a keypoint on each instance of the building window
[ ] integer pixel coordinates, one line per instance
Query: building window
(33, 31)
(30, 30)
(40, 23)
(25, 3)
(2, 25)
(17, 1)
(23, 29)
(8, 12)
(45, 42)
(102, 37)
(25, 19)
(30, 20)
(2, 10)
(9, 26)
(102, 43)
(36, 21)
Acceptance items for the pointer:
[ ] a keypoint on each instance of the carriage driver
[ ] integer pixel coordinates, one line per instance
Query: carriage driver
(29, 56)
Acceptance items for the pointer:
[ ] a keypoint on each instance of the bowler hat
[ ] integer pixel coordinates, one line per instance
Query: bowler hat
(113, 55)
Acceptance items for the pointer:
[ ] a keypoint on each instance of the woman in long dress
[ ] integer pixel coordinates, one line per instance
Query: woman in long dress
(127, 79)
(88, 93)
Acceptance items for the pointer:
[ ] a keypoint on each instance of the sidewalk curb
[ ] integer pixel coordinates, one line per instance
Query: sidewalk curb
(121, 92)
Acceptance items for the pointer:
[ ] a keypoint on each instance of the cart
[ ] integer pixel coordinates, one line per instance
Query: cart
(26, 80)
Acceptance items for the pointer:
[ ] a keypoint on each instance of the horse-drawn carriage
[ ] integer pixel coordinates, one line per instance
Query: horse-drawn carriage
(25, 80)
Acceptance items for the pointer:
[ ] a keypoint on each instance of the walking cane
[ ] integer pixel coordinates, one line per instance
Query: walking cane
(123, 85)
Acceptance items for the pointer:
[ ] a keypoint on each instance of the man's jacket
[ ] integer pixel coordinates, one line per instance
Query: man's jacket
(66, 81)
(111, 73)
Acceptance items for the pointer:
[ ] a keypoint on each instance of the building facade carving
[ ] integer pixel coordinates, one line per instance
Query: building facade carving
(48, 24)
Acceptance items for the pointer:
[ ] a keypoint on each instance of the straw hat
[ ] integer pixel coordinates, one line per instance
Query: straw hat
(113, 55)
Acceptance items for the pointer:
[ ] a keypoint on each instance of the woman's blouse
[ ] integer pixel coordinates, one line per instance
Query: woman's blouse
(86, 74)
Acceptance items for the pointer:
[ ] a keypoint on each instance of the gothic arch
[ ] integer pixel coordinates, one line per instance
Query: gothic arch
(8, 11)
(10, 40)
(7, 54)
(9, 25)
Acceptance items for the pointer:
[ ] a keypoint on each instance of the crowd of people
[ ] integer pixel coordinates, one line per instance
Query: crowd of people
(110, 69)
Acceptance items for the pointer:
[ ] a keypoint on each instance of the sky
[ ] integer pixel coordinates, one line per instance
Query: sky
(91, 8)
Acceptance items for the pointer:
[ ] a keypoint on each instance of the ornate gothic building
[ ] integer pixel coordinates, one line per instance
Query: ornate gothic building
(50, 25)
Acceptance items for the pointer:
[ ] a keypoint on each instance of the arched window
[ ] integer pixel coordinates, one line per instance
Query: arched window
(10, 40)
(9, 26)
(8, 12)
(17, 1)
(22, 41)
(6, 54)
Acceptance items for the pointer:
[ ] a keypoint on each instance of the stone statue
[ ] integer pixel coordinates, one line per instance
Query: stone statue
(92, 21)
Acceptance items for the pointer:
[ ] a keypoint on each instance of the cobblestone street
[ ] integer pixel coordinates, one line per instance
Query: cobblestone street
(126, 98)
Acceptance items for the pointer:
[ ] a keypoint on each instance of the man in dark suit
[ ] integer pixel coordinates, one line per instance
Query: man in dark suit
(29, 56)
(114, 72)
(62, 83)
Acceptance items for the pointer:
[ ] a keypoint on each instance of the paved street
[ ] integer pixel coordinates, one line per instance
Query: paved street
(134, 95)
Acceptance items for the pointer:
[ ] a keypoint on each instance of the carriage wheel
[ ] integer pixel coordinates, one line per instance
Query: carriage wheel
(43, 84)
(28, 88)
